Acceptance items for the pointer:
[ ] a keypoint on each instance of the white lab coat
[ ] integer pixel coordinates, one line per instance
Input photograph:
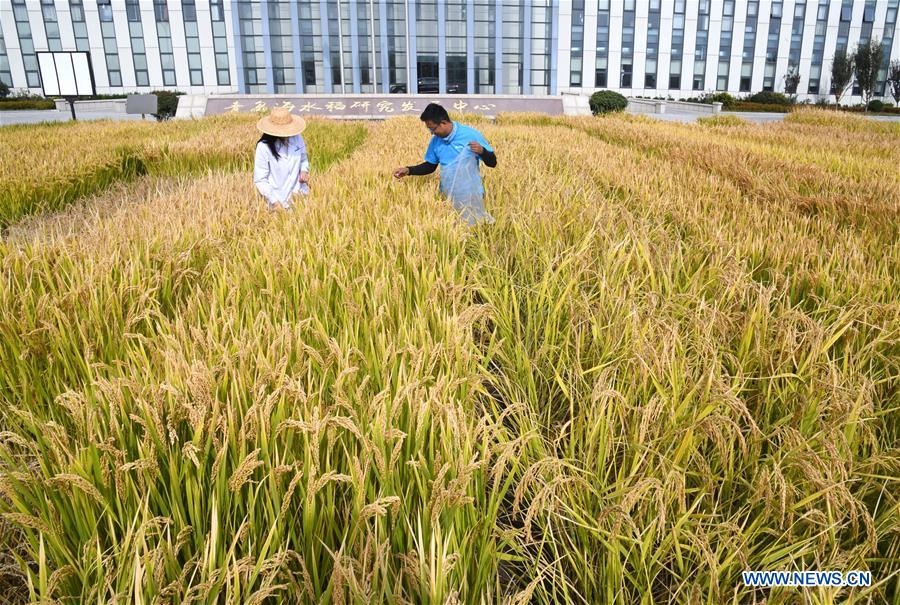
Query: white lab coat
(278, 180)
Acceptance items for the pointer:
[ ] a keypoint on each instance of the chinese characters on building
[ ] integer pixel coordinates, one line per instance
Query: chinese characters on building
(372, 106)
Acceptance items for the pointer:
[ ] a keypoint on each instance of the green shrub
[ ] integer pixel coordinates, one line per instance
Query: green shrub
(860, 108)
(727, 101)
(770, 98)
(167, 104)
(4, 90)
(605, 101)
(876, 105)
(16, 104)
(769, 107)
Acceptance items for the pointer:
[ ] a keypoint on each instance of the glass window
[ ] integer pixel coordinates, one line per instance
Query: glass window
(161, 9)
(133, 10)
(189, 10)
(105, 10)
(76, 9)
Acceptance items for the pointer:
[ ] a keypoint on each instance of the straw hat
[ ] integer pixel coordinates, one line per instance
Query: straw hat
(281, 123)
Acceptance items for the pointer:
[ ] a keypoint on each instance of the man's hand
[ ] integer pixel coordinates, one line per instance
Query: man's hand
(399, 173)
(304, 177)
(477, 148)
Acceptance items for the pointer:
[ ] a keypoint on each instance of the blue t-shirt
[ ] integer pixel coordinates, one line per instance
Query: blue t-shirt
(444, 151)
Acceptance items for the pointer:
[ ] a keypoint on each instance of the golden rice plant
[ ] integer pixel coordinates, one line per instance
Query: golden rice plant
(674, 357)
(727, 121)
(47, 167)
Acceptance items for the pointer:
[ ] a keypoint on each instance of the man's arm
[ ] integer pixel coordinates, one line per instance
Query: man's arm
(419, 170)
(422, 169)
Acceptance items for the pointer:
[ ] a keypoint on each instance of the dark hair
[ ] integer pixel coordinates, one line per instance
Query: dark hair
(434, 113)
(273, 143)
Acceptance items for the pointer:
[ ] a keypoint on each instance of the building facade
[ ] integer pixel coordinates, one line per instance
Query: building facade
(652, 48)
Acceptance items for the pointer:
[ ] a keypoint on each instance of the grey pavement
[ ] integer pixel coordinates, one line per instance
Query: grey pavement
(757, 117)
(27, 116)
(749, 116)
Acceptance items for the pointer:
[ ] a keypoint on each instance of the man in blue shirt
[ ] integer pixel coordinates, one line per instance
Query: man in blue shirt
(457, 149)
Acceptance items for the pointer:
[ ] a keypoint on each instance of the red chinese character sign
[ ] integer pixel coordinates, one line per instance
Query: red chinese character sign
(374, 106)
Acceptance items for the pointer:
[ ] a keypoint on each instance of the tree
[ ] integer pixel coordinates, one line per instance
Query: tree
(867, 61)
(894, 80)
(841, 74)
(4, 90)
(167, 104)
(791, 82)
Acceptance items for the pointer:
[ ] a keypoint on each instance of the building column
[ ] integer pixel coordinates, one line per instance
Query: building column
(267, 45)
(238, 48)
(664, 51)
(554, 45)
(639, 50)
(66, 33)
(498, 47)
(784, 48)
(714, 39)
(382, 18)
(736, 60)
(295, 42)
(806, 48)
(354, 46)
(412, 73)
(442, 46)
(326, 45)
(470, 47)
(526, 50)
(340, 22)
(832, 27)
(589, 52)
(562, 44)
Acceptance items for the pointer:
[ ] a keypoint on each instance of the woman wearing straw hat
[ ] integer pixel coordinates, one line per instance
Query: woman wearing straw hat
(281, 169)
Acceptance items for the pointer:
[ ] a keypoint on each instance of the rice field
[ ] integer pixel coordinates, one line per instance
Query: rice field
(674, 357)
